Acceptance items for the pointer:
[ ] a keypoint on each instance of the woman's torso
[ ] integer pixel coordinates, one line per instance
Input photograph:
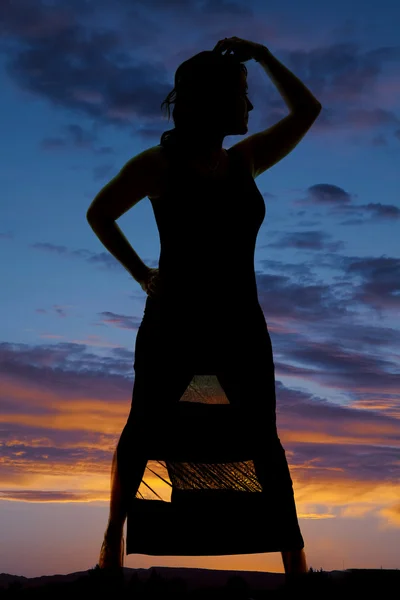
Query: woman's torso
(208, 227)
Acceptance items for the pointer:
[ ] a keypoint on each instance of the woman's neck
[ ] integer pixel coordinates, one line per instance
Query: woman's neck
(204, 149)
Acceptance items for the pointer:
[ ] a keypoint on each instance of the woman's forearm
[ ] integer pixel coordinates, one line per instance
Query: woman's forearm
(114, 240)
(296, 95)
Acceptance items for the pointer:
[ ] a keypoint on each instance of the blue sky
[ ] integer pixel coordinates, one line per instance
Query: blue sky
(82, 84)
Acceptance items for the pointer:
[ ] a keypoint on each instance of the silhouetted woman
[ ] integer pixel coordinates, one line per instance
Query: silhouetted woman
(202, 309)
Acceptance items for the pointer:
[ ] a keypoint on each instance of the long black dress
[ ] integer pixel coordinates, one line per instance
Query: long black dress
(231, 488)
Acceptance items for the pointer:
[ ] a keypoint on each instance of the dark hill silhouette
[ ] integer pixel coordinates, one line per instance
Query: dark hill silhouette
(195, 579)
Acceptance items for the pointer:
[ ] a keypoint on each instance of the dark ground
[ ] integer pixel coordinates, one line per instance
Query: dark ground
(156, 584)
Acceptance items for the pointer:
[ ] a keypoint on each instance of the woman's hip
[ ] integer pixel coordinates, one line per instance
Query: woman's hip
(228, 345)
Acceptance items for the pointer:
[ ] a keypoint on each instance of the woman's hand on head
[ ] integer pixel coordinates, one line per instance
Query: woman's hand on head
(244, 50)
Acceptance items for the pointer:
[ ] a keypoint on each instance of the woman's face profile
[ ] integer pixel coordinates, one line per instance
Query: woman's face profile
(232, 108)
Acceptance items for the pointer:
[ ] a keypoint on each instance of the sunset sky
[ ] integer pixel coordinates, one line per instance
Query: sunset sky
(82, 82)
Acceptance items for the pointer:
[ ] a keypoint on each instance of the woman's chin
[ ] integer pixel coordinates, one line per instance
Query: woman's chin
(239, 129)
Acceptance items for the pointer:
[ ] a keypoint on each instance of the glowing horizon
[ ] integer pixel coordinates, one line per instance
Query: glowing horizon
(327, 269)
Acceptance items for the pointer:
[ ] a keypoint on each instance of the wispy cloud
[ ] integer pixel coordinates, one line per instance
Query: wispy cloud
(57, 53)
(63, 409)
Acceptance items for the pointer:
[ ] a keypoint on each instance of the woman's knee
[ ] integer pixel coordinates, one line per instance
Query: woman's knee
(131, 438)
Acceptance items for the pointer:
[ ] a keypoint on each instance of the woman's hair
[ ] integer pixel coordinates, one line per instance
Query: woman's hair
(208, 72)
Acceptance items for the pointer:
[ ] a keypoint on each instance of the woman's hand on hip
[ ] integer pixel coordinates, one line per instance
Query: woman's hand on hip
(151, 284)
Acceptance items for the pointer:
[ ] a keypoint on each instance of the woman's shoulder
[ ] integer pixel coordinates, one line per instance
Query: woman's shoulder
(162, 167)
(171, 159)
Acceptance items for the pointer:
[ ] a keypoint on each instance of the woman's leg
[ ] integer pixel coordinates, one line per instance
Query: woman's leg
(111, 553)
(156, 386)
(294, 562)
(251, 383)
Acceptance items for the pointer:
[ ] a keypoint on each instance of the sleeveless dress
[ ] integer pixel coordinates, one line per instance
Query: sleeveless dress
(231, 487)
